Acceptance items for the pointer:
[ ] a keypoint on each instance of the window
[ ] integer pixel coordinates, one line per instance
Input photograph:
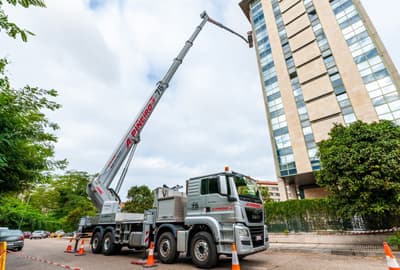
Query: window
(209, 186)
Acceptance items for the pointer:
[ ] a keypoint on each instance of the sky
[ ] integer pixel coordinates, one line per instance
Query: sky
(104, 57)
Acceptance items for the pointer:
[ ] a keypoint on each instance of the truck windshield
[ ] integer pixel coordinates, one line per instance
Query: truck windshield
(247, 189)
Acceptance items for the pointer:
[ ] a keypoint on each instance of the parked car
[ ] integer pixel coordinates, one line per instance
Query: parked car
(59, 233)
(27, 235)
(13, 238)
(46, 234)
(70, 234)
(38, 234)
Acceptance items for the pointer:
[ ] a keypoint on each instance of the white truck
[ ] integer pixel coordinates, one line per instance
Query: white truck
(216, 210)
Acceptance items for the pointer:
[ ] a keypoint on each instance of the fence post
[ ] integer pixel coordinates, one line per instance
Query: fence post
(3, 255)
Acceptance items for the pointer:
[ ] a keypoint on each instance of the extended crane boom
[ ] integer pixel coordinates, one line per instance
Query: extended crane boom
(105, 198)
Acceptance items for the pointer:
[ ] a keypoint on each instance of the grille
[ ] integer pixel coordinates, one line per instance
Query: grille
(257, 235)
(254, 215)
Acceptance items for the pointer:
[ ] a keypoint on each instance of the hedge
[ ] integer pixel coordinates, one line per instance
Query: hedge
(303, 215)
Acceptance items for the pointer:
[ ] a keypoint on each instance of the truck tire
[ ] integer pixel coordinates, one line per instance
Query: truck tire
(166, 248)
(108, 245)
(203, 250)
(96, 243)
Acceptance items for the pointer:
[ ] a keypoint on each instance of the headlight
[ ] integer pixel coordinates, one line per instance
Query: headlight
(243, 232)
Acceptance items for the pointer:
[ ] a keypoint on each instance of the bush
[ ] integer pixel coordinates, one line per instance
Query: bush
(15, 214)
(302, 215)
(394, 240)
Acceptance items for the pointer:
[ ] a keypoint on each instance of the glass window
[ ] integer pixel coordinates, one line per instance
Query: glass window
(307, 130)
(209, 186)
(387, 116)
(382, 109)
(394, 106)
(349, 118)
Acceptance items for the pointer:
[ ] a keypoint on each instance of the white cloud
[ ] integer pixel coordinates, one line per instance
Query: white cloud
(106, 62)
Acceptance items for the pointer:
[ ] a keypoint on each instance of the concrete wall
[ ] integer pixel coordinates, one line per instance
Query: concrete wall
(333, 239)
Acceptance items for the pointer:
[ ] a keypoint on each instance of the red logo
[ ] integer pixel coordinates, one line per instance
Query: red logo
(222, 208)
(253, 205)
(141, 120)
(99, 190)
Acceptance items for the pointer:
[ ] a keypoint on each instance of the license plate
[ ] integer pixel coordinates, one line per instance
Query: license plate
(258, 237)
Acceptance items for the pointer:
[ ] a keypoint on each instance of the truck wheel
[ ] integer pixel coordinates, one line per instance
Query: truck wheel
(96, 243)
(108, 245)
(203, 250)
(166, 248)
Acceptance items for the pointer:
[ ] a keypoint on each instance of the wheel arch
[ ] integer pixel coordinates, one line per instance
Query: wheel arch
(97, 229)
(172, 228)
(209, 222)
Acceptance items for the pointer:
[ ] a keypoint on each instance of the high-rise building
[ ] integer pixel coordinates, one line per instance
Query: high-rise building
(273, 189)
(321, 62)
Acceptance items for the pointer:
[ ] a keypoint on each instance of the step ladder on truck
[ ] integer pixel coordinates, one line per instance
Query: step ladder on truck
(215, 211)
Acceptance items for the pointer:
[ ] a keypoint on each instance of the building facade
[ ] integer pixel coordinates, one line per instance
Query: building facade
(321, 62)
(273, 189)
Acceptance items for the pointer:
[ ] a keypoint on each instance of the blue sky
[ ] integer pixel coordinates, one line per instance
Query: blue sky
(105, 57)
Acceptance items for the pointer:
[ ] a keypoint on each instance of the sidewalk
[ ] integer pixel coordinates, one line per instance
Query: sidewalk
(336, 249)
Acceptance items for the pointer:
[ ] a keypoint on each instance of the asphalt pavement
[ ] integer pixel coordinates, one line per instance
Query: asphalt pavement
(48, 254)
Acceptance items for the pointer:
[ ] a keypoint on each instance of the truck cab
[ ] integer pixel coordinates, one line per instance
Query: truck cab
(216, 211)
(233, 201)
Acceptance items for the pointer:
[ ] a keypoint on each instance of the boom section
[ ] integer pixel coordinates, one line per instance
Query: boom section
(99, 189)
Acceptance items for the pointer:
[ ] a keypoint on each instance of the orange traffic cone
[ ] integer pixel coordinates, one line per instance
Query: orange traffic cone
(150, 257)
(69, 247)
(390, 259)
(235, 259)
(81, 250)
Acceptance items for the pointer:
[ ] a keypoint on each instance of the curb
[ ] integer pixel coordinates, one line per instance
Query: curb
(332, 251)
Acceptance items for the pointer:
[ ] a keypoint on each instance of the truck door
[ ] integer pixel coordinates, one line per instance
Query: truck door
(216, 190)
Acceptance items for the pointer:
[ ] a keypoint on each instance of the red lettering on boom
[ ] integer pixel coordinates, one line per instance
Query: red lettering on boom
(140, 121)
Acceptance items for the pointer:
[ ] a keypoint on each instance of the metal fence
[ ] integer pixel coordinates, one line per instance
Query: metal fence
(316, 223)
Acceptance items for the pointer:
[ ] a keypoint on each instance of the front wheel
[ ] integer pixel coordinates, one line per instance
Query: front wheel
(166, 248)
(203, 250)
(96, 243)
(108, 245)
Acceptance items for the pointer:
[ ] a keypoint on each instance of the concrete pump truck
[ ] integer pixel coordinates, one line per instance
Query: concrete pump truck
(215, 211)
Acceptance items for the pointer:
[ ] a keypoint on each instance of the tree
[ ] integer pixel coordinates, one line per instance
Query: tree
(265, 194)
(65, 199)
(11, 28)
(26, 144)
(361, 171)
(17, 214)
(140, 198)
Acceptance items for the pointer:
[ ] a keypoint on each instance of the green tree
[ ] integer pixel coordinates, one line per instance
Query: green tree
(140, 198)
(26, 141)
(65, 199)
(11, 28)
(361, 171)
(15, 213)
(265, 194)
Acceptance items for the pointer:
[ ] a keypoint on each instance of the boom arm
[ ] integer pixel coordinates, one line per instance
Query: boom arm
(99, 188)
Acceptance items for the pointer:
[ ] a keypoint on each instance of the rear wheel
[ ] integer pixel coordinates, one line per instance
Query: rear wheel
(96, 243)
(108, 245)
(203, 250)
(166, 248)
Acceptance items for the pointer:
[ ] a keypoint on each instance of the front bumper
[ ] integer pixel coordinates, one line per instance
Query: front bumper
(247, 243)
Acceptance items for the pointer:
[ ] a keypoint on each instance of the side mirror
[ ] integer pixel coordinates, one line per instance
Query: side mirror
(232, 199)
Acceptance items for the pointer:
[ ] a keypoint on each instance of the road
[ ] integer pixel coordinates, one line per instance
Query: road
(52, 250)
